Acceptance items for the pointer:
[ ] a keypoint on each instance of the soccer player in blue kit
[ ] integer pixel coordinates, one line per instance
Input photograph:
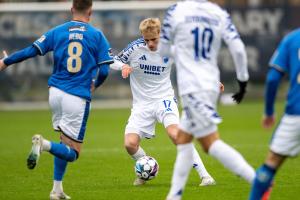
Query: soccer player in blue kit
(79, 50)
(286, 138)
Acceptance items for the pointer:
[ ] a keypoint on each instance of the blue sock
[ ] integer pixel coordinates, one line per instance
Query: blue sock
(263, 180)
(63, 152)
(60, 166)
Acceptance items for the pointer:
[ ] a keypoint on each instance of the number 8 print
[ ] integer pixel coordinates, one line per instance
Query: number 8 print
(74, 56)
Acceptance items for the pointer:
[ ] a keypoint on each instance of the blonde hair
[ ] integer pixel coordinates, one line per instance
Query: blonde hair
(150, 25)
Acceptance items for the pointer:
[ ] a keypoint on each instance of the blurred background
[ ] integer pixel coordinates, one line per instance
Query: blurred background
(261, 23)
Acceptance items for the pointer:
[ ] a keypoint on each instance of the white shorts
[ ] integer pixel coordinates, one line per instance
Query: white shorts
(286, 138)
(69, 113)
(143, 118)
(199, 116)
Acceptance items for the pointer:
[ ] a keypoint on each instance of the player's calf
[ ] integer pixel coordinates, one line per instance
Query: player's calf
(63, 151)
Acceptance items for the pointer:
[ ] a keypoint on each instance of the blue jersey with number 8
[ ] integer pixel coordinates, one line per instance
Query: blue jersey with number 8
(78, 49)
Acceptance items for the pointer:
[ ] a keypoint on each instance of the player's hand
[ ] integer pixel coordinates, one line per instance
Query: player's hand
(268, 121)
(93, 87)
(238, 97)
(222, 87)
(126, 70)
(2, 64)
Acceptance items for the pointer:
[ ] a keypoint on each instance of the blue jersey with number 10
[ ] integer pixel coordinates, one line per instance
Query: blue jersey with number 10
(78, 49)
(287, 59)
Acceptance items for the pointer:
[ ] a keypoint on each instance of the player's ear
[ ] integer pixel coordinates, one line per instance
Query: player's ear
(90, 12)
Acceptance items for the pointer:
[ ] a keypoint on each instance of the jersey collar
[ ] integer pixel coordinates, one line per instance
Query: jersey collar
(79, 21)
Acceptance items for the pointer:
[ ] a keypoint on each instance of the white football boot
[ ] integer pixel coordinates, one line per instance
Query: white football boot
(138, 182)
(177, 197)
(207, 181)
(36, 149)
(57, 196)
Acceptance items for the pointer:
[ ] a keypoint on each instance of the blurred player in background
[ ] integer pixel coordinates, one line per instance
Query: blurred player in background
(286, 138)
(196, 29)
(153, 94)
(79, 50)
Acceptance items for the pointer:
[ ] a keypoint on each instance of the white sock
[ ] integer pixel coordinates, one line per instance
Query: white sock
(57, 186)
(46, 146)
(140, 153)
(232, 160)
(198, 164)
(182, 167)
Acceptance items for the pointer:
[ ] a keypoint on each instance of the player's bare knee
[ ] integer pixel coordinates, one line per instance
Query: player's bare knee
(207, 141)
(76, 146)
(131, 143)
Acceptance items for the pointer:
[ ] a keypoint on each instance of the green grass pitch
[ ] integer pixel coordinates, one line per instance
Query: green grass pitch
(104, 171)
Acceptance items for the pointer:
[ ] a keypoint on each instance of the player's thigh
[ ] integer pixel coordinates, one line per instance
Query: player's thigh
(286, 137)
(75, 113)
(55, 100)
(199, 115)
(142, 122)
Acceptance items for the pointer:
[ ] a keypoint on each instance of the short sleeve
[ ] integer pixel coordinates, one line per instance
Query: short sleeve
(279, 59)
(45, 43)
(105, 55)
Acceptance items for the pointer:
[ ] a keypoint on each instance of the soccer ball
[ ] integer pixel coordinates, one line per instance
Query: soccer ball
(146, 168)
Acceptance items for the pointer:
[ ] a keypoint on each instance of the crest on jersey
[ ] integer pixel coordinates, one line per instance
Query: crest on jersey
(143, 57)
(166, 59)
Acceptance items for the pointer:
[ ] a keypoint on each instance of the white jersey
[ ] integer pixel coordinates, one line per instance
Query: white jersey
(150, 78)
(196, 29)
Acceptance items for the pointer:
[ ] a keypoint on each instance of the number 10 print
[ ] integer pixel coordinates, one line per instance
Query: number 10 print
(207, 37)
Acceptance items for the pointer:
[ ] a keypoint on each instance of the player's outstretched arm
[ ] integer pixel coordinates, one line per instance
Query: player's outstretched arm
(18, 56)
(2, 64)
(118, 65)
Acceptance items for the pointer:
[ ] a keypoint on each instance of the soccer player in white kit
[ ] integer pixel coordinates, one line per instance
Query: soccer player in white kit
(195, 29)
(153, 94)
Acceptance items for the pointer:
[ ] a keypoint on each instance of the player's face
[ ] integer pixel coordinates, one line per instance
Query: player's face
(151, 39)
